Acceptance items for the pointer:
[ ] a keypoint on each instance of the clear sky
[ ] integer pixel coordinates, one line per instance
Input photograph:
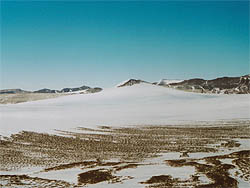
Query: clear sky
(67, 44)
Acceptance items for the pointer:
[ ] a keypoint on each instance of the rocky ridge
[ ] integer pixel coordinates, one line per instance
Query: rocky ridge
(222, 85)
(13, 91)
(82, 89)
(131, 82)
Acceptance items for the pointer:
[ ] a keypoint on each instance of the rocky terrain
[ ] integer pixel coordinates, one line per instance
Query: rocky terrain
(25, 97)
(45, 90)
(82, 89)
(13, 96)
(131, 82)
(13, 91)
(223, 85)
(212, 155)
(142, 135)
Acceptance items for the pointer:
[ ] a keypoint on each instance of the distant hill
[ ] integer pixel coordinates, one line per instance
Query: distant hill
(222, 85)
(13, 91)
(45, 90)
(74, 89)
(131, 82)
(93, 90)
(87, 89)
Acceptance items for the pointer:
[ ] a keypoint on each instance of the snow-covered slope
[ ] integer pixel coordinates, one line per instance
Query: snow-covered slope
(168, 81)
(140, 104)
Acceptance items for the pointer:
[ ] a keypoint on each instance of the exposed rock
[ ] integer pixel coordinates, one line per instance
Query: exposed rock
(223, 85)
(82, 89)
(184, 154)
(94, 90)
(85, 89)
(74, 89)
(13, 91)
(45, 90)
(131, 82)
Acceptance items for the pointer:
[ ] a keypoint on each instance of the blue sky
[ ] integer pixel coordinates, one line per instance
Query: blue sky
(67, 44)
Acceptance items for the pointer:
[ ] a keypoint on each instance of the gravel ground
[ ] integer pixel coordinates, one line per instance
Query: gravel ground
(25, 97)
(105, 152)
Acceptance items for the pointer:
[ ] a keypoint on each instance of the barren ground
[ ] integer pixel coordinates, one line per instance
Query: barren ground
(25, 97)
(207, 156)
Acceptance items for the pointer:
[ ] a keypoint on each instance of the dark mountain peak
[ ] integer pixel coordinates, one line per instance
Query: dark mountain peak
(227, 85)
(131, 82)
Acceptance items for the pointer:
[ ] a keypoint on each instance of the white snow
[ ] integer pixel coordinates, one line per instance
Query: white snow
(140, 104)
(168, 81)
(70, 175)
(21, 171)
(78, 92)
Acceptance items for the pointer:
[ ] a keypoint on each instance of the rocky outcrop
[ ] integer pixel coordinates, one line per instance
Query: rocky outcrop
(94, 90)
(223, 85)
(131, 82)
(45, 90)
(85, 89)
(91, 90)
(64, 90)
(12, 91)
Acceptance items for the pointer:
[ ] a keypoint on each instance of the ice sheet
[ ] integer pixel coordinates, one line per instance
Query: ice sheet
(140, 104)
